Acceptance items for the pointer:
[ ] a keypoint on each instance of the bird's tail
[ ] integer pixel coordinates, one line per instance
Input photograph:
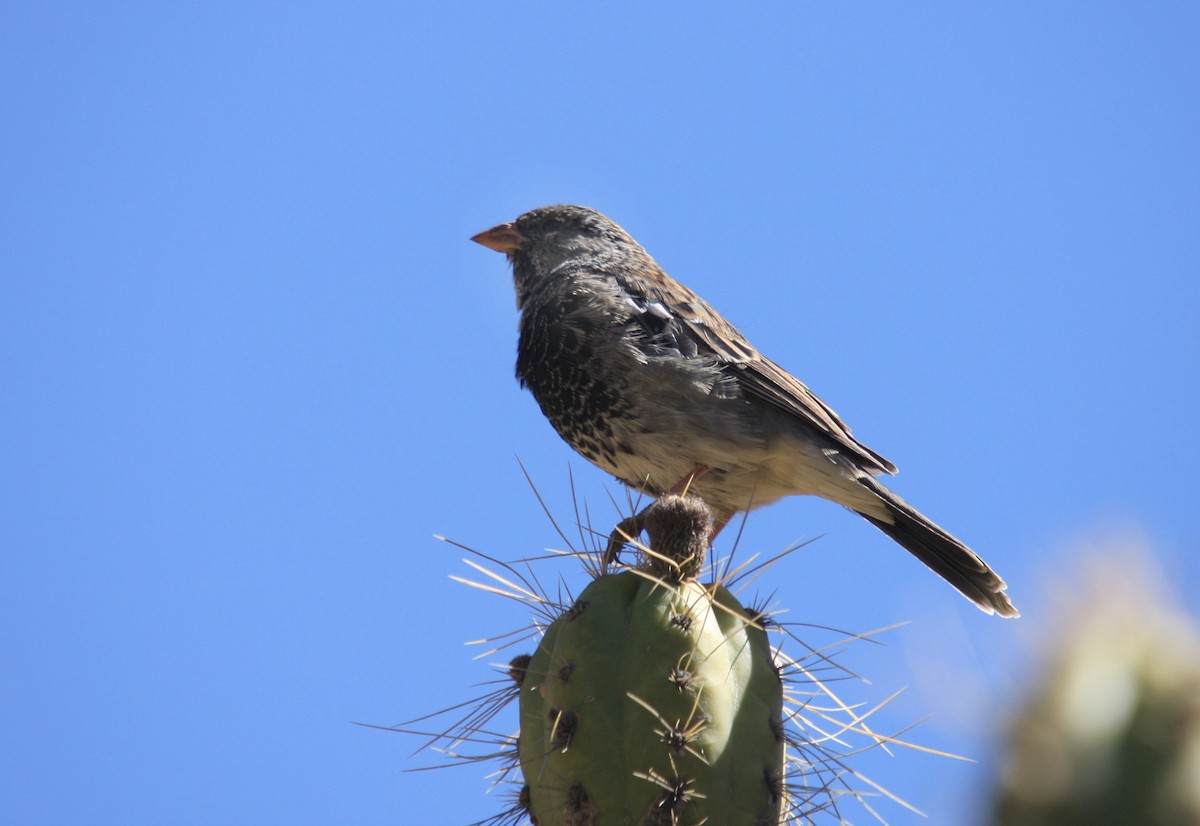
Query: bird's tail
(942, 553)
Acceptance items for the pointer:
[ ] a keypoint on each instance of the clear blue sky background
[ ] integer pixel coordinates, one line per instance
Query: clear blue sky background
(251, 363)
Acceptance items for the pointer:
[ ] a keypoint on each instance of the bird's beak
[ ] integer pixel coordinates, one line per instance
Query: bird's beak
(502, 238)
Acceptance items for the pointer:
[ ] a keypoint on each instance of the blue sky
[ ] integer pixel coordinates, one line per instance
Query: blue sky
(253, 364)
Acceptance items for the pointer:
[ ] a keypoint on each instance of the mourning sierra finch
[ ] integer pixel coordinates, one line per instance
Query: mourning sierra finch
(646, 380)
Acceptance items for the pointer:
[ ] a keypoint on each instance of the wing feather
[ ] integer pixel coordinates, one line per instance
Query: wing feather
(759, 377)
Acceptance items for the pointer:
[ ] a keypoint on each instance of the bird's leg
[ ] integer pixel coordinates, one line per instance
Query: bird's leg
(680, 488)
(719, 523)
(627, 529)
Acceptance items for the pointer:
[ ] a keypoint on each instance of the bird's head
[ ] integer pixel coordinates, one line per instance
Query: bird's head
(553, 241)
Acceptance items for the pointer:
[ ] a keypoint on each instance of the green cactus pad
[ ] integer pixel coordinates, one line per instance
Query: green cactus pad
(648, 703)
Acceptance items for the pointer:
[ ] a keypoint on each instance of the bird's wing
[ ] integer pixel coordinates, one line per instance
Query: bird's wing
(766, 380)
(759, 377)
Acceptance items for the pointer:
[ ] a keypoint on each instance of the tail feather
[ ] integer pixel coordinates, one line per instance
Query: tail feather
(942, 553)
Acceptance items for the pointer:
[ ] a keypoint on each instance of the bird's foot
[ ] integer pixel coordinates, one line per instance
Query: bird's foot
(627, 530)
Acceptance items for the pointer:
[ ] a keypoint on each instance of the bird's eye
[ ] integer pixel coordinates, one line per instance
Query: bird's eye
(551, 224)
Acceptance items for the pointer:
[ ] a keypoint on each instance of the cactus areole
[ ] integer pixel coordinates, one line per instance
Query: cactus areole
(652, 703)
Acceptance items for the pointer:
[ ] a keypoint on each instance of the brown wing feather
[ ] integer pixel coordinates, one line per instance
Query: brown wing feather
(768, 381)
(760, 377)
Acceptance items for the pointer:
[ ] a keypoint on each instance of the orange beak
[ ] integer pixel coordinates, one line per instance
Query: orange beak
(502, 238)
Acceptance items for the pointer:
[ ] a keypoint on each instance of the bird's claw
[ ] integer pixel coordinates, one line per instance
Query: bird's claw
(627, 529)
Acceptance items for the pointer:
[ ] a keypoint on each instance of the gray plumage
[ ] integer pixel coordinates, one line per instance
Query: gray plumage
(646, 380)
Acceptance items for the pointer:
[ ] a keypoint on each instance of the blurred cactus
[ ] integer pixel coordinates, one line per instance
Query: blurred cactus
(1111, 735)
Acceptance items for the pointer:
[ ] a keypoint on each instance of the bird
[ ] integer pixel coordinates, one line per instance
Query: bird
(643, 378)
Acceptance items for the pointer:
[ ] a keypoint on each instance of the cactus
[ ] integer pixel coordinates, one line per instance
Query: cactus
(1110, 733)
(654, 699)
